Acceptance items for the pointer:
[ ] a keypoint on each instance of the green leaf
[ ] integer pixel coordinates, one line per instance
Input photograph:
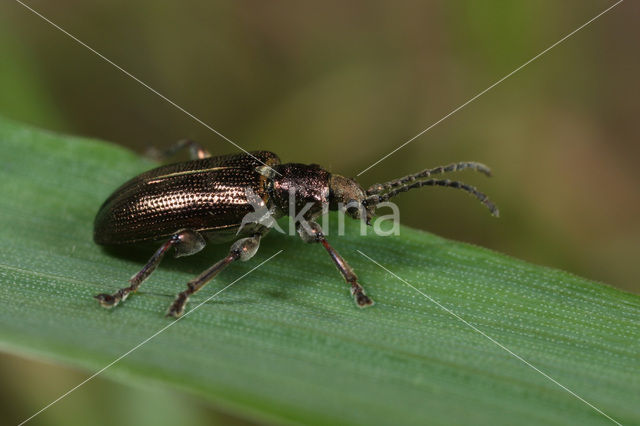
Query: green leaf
(286, 343)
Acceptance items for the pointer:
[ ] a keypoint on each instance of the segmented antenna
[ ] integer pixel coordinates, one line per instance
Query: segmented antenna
(454, 167)
(376, 198)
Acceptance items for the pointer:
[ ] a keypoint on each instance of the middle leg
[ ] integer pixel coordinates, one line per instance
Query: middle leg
(243, 250)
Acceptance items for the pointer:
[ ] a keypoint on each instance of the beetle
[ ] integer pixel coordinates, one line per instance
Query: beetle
(189, 204)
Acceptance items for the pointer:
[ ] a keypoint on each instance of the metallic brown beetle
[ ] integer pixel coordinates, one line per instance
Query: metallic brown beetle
(205, 200)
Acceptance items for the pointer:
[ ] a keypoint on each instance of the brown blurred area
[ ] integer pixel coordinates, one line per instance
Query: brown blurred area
(343, 84)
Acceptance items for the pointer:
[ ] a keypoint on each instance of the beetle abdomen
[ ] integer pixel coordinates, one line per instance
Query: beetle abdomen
(205, 195)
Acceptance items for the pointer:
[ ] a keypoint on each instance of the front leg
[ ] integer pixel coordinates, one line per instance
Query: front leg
(312, 233)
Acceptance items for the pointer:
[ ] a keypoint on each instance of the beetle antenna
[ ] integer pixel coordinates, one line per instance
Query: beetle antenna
(454, 167)
(375, 199)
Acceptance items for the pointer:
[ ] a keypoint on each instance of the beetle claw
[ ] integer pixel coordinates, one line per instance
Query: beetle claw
(173, 313)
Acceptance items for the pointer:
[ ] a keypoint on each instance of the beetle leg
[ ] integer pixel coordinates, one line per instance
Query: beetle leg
(313, 234)
(185, 242)
(196, 151)
(242, 250)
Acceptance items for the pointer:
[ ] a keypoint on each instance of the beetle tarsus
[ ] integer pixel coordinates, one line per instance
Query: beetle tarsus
(360, 297)
(177, 307)
(109, 300)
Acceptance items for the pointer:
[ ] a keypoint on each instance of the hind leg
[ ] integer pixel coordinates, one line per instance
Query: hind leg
(185, 243)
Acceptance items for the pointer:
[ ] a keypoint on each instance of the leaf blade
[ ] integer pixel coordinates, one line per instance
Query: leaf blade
(286, 342)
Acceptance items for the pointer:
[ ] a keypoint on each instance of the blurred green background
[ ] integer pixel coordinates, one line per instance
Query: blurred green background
(342, 84)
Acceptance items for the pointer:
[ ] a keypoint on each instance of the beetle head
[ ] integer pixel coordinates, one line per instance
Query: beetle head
(348, 193)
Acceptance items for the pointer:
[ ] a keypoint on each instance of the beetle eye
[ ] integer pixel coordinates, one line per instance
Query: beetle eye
(353, 209)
